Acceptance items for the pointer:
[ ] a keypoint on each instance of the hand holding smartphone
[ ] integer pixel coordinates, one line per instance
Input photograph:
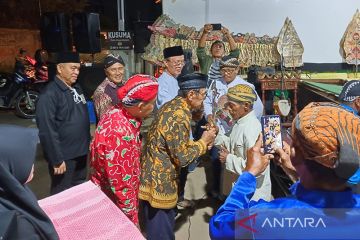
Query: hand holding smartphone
(271, 130)
(216, 26)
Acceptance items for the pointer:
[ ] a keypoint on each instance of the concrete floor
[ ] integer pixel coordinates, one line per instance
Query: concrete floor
(190, 224)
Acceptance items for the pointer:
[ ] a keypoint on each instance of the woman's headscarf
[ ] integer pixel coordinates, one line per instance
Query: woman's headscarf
(17, 155)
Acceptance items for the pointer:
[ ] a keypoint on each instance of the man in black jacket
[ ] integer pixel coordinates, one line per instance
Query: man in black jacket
(64, 127)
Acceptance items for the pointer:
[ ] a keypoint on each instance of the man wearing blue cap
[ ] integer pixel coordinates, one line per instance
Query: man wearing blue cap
(350, 96)
(105, 95)
(350, 100)
(168, 149)
(64, 126)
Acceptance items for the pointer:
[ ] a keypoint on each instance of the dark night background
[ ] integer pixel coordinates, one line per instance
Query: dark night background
(26, 13)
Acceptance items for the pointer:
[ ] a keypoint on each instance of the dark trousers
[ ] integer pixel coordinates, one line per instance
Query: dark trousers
(197, 132)
(216, 168)
(182, 182)
(75, 174)
(159, 223)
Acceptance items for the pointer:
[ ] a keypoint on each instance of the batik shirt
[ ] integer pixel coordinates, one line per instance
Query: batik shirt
(168, 149)
(105, 97)
(115, 159)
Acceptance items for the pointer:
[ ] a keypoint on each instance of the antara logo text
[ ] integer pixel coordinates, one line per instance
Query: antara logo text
(289, 222)
(284, 222)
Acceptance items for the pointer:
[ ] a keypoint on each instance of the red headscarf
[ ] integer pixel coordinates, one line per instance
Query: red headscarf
(138, 88)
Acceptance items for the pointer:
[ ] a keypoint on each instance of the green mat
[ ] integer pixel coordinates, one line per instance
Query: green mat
(327, 87)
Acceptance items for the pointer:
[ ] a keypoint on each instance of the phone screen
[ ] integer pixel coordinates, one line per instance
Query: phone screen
(216, 26)
(271, 130)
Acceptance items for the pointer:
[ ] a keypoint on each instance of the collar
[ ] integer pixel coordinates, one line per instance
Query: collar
(183, 103)
(246, 117)
(350, 109)
(111, 83)
(323, 199)
(61, 84)
(169, 75)
(234, 82)
(136, 123)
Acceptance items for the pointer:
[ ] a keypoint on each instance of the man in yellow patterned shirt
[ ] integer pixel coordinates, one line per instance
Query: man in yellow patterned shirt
(168, 149)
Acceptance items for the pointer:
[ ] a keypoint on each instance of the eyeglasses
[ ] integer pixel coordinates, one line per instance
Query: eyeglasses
(227, 71)
(203, 94)
(177, 63)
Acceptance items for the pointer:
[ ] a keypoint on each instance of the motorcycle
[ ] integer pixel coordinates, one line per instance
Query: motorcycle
(20, 91)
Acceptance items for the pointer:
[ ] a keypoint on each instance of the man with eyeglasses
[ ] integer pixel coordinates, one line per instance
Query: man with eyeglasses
(229, 68)
(174, 62)
(105, 95)
(169, 148)
(64, 126)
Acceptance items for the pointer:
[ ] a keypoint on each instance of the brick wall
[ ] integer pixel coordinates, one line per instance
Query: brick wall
(11, 40)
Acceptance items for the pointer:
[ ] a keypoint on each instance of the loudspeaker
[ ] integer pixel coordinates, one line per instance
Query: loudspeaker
(141, 36)
(86, 32)
(55, 32)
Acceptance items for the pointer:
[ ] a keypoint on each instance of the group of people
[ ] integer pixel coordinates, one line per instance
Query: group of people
(146, 178)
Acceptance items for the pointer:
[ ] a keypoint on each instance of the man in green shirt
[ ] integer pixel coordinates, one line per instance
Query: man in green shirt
(210, 65)
(217, 49)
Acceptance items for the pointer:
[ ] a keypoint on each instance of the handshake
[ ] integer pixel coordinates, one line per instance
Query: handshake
(209, 134)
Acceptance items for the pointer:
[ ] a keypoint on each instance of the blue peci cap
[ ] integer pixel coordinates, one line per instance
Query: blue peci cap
(192, 81)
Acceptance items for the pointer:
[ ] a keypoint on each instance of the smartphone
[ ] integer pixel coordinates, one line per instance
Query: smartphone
(271, 130)
(216, 26)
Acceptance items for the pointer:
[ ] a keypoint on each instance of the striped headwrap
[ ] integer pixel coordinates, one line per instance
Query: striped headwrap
(350, 91)
(330, 136)
(138, 88)
(242, 93)
(228, 61)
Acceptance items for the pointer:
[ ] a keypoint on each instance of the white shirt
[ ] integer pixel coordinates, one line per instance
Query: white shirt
(222, 89)
(168, 89)
(243, 136)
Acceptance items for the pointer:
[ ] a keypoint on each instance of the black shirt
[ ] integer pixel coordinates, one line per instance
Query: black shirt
(64, 126)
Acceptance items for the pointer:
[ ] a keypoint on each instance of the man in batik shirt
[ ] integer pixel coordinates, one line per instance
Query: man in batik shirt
(115, 149)
(105, 95)
(168, 149)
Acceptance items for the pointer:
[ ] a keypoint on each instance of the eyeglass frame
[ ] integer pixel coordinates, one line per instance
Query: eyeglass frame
(222, 71)
(204, 94)
(176, 63)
